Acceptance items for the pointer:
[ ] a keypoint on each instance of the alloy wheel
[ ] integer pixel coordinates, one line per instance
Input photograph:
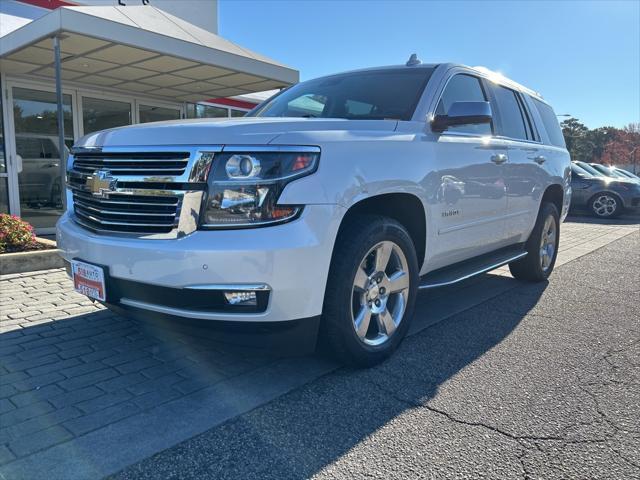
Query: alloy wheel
(380, 293)
(548, 243)
(605, 205)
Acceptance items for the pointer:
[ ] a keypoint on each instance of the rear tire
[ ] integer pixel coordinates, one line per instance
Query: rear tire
(541, 247)
(371, 291)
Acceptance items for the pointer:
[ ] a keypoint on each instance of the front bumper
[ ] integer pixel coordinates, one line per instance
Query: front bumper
(172, 276)
(630, 198)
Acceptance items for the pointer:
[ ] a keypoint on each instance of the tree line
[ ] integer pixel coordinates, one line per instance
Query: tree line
(606, 145)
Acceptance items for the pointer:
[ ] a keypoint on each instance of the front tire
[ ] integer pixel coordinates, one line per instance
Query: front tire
(605, 205)
(371, 291)
(541, 247)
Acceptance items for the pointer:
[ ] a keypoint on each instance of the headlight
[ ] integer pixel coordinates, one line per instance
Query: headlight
(244, 186)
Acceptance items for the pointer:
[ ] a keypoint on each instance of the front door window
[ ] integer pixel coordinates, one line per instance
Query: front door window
(38, 156)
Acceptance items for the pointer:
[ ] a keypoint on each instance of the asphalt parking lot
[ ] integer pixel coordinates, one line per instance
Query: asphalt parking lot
(499, 379)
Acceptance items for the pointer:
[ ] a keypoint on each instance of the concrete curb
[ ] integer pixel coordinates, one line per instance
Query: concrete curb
(21, 262)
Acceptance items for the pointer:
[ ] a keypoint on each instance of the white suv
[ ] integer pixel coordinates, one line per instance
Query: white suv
(326, 209)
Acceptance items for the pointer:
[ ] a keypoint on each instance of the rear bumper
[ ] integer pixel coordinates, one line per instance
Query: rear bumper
(185, 277)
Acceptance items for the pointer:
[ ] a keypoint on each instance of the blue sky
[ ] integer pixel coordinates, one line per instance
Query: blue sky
(583, 56)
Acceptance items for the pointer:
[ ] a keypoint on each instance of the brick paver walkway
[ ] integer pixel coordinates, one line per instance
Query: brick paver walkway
(75, 377)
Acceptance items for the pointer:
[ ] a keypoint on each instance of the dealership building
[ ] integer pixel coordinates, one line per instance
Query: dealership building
(120, 62)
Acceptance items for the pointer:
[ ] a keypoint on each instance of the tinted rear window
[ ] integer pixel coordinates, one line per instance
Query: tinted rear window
(550, 122)
(512, 121)
(369, 95)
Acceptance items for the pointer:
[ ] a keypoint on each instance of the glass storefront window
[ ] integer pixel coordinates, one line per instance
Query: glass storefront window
(199, 110)
(150, 113)
(99, 114)
(4, 195)
(36, 128)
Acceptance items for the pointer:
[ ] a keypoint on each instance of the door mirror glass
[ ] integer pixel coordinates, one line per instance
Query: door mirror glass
(463, 113)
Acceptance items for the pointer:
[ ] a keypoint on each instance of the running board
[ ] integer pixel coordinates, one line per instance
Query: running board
(470, 268)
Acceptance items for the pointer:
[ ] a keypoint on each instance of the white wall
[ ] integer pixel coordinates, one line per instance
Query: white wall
(14, 15)
(203, 13)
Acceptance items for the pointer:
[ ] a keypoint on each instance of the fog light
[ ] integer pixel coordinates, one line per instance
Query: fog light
(241, 298)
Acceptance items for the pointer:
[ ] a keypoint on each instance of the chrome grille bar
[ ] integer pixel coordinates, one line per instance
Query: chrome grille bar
(133, 163)
(116, 212)
(88, 198)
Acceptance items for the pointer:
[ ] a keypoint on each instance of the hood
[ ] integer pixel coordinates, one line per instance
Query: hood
(613, 183)
(239, 131)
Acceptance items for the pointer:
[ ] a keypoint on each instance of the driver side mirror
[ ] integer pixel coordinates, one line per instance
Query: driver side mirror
(463, 113)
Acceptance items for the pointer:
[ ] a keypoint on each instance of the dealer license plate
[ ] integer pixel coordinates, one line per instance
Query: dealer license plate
(88, 280)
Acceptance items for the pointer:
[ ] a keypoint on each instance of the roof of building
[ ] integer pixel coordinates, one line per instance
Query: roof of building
(140, 49)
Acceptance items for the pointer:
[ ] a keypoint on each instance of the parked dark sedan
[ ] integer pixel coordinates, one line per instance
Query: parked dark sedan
(602, 196)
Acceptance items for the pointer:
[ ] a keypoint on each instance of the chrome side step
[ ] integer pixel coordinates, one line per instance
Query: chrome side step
(470, 268)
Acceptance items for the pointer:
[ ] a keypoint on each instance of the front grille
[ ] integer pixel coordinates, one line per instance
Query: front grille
(135, 163)
(135, 192)
(127, 213)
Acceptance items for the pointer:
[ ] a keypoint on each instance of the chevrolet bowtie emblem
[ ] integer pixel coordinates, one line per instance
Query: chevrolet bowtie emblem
(101, 183)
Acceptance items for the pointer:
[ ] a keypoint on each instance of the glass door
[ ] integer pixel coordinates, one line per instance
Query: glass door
(37, 156)
(4, 177)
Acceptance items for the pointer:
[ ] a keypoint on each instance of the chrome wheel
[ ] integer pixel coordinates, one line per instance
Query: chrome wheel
(605, 205)
(380, 293)
(548, 242)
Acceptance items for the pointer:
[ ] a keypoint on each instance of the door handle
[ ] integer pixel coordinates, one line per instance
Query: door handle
(540, 159)
(499, 158)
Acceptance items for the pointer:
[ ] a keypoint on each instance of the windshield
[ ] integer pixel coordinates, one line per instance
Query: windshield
(626, 174)
(590, 169)
(609, 172)
(580, 172)
(368, 95)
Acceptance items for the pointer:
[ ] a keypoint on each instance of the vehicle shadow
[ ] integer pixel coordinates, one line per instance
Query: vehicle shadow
(144, 364)
(306, 430)
(627, 218)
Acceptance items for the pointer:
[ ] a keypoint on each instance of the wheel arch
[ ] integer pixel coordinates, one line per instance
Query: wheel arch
(554, 194)
(405, 208)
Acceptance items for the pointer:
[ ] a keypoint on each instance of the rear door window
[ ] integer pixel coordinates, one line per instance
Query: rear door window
(512, 116)
(463, 88)
(550, 122)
